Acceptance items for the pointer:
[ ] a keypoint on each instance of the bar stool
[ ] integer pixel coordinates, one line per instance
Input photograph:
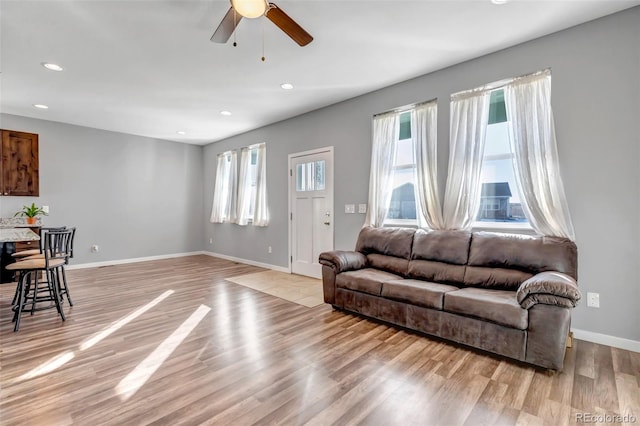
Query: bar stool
(21, 255)
(63, 288)
(56, 251)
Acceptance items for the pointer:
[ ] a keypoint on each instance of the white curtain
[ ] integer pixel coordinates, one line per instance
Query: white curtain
(224, 193)
(424, 121)
(261, 206)
(244, 187)
(385, 133)
(469, 118)
(533, 139)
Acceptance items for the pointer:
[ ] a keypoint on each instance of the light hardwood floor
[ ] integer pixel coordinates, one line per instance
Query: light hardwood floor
(255, 358)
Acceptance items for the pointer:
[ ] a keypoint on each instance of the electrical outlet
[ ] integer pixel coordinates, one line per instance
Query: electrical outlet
(95, 248)
(593, 300)
(270, 250)
(210, 240)
(362, 208)
(349, 208)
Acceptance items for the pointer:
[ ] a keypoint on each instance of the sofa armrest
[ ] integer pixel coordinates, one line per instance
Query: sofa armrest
(549, 288)
(342, 261)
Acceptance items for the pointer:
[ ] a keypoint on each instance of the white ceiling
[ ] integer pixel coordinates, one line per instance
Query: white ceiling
(147, 67)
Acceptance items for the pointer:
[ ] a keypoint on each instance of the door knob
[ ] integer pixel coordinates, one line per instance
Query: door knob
(326, 222)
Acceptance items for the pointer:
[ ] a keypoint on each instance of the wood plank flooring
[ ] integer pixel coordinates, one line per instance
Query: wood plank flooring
(257, 359)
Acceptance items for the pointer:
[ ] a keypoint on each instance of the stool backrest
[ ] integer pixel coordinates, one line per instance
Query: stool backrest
(58, 245)
(44, 230)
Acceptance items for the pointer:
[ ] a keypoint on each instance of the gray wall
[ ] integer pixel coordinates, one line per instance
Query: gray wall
(596, 101)
(132, 196)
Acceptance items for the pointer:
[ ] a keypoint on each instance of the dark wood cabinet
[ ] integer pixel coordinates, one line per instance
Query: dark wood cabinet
(19, 174)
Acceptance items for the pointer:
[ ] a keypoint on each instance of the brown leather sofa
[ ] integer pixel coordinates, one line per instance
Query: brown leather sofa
(508, 294)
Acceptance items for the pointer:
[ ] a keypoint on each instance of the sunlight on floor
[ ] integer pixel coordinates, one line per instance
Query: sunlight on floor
(123, 321)
(60, 360)
(49, 366)
(145, 369)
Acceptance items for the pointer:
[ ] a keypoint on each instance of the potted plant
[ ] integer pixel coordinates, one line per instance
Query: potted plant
(31, 213)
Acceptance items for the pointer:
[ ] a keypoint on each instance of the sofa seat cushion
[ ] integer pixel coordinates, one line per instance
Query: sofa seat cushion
(417, 292)
(499, 306)
(366, 280)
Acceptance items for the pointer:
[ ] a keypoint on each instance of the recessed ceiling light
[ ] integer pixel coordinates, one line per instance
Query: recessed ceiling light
(499, 1)
(287, 86)
(181, 132)
(225, 113)
(40, 106)
(52, 67)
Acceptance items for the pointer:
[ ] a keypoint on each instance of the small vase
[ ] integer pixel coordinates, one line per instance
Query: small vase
(31, 220)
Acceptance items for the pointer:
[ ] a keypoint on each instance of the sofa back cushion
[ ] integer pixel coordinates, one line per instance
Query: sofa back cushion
(439, 256)
(395, 265)
(505, 260)
(388, 241)
(441, 246)
(387, 249)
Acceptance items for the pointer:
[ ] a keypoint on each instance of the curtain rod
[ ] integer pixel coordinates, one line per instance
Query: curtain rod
(501, 83)
(405, 108)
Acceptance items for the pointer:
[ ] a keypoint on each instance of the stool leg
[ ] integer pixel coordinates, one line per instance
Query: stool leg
(18, 311)
(15, 296)
(36, 285)
(56, 296)
(66, 287)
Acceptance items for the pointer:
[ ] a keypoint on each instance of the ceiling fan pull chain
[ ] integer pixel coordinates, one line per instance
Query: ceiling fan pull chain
(235, 21)
(263, 58)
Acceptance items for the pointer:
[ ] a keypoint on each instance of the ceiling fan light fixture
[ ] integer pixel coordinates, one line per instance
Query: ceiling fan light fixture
(41, 106)
(226, 113)
(250, 8)
(287, 86)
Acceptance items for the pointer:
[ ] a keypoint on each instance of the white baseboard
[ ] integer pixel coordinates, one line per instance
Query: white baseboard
(248, 262)
(605, 339)
(132, 260)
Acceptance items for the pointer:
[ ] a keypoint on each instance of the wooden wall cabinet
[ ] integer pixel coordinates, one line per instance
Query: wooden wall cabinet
(19, 167)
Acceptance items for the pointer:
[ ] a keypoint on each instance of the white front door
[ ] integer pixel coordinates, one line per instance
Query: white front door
(311, 209)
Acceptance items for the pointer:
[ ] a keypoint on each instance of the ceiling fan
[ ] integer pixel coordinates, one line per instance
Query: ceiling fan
(255, 9)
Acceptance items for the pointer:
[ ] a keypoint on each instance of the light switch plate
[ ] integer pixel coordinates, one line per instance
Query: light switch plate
(362, 208)
(349, 208)
(45, 209)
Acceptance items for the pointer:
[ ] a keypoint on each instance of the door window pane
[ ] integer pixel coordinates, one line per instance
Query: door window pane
(310, 176)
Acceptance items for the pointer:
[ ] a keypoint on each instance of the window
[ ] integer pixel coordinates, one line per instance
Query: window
(402, 208)
(500, 204)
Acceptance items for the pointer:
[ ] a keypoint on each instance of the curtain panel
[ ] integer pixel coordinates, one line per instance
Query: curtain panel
(424, 122)
(536, 166)
(468, 126)
(261, 205)
(224, 193)
(385, 134)
(244, 187)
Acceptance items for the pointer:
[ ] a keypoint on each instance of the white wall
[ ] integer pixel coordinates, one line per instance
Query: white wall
(596, 101)
(132, 196)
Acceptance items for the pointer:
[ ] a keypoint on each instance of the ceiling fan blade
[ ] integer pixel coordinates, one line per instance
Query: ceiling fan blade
(288, 25)
(226, 27)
